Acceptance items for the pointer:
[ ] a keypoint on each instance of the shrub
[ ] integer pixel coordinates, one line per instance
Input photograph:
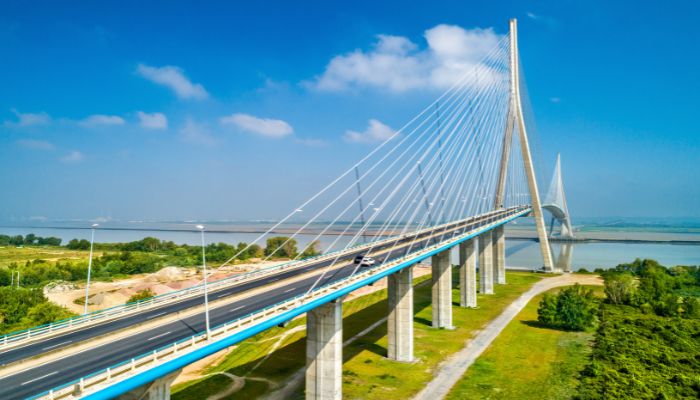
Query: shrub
(573, 308)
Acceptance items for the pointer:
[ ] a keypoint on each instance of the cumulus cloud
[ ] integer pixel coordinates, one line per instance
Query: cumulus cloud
(35, 144)
(173, 78)
(102, 120)
(29, 119)
(274, 128)
(397, 64)
(73, 157)
(376, 132)
(152, 120)
(197, 133)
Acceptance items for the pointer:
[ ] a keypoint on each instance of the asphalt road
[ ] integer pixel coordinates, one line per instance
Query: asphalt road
(52, 374)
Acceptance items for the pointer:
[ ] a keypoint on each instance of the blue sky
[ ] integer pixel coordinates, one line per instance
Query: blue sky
(184, 110)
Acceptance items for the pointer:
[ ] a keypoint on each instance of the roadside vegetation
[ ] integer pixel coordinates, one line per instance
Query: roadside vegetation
(28, 263)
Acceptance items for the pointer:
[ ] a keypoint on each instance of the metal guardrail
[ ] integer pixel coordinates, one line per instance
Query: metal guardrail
(118, 372)
(18, 337)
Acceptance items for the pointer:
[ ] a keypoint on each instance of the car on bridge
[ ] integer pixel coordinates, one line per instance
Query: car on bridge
(364, 261)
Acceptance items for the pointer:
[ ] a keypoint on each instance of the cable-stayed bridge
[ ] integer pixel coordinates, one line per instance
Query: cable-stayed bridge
(452, 177)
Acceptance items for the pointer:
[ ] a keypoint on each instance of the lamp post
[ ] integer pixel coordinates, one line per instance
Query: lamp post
(87, 287)
(206, 296)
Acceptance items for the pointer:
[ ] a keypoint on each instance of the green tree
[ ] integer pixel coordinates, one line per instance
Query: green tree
(620, 288)
(573, 308)
(141, 295)
(312, 249)
(281, 247)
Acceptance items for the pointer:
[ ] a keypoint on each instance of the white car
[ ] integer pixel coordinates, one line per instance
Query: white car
(364, 261)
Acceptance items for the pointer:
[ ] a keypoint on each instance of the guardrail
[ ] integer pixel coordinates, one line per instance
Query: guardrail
(137, 365)
(17, 338)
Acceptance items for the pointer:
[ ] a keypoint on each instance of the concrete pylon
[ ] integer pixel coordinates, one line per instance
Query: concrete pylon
(442, 290)
(467, 274)
(156, 390)
(324, 352)
(499, 255)
(400, 321)
(485, 263)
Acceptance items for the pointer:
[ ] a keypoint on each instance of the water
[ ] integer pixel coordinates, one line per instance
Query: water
(519, 253)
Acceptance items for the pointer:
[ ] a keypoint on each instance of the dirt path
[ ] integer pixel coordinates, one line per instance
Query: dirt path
(452, 369)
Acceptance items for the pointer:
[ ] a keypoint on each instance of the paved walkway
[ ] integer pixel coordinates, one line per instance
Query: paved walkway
(452, 369)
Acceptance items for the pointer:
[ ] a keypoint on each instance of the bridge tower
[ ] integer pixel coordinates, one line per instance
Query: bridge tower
(555, 203)
(517, 121)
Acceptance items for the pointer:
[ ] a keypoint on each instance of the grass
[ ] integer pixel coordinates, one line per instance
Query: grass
(367, 374)
(20, 255)
(527, 361)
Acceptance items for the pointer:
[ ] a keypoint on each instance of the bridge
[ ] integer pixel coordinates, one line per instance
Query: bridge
(451, 178)
(555, 203)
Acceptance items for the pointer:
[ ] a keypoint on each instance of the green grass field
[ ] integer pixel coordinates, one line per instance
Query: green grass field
(20, 255)
(367, 374)
(527, 361)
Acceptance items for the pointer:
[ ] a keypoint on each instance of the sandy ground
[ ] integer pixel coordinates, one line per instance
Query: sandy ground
(109, 294)
(452, 370)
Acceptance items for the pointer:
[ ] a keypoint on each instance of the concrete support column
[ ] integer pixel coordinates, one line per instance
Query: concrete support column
(485, 263)
(442, 290)
(156, 390)
(499, 255)
(324, 351)
(400, 321)
(467, 274)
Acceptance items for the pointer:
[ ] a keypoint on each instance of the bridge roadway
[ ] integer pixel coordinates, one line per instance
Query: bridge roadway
(53, 373)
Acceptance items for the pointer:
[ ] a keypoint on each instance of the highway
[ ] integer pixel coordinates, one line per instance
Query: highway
(53, 373)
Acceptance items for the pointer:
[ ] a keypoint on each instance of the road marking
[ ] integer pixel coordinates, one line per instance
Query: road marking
(36, 379)
(56, 345)
(289, 290)
(237, 308)
(157, 315)
(161, 335)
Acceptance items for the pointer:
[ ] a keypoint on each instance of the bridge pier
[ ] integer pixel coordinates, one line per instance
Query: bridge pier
(467, 274)
(486, 263)
(156, 390)
(499, 255)
(324, 351)
(442, 290)
(400, 321)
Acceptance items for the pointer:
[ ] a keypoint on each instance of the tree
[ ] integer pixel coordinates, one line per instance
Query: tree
(311, 249)
(573, 308)
(619, 287)
(30, 239)
(46, 312)
(281, 247)
(141, 295)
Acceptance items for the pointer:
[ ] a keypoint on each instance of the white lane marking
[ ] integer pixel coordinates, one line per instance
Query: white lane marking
(36, 379)
(289, 290)
(161, 335)
(56, 345)
(237, 308)
(157, 315)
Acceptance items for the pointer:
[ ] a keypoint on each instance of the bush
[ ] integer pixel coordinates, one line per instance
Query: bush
(573, 308)
(141, 295)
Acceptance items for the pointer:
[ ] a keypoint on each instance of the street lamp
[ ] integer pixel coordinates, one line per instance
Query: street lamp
(87, 287)
(206, 296)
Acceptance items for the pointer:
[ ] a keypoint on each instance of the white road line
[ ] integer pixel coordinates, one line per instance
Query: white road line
(161, 335)
(36, 379)
(237, 308)
(157, 315)
(289, 290)
(56, 345)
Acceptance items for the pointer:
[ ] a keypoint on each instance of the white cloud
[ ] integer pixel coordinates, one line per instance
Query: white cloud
(29, 119)
(152, 120)
(194, 132)
(173, 78)
(102, 120)
(274, 128)
(398, 65)
(35, 144)
(375, 132)
(72, 157)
